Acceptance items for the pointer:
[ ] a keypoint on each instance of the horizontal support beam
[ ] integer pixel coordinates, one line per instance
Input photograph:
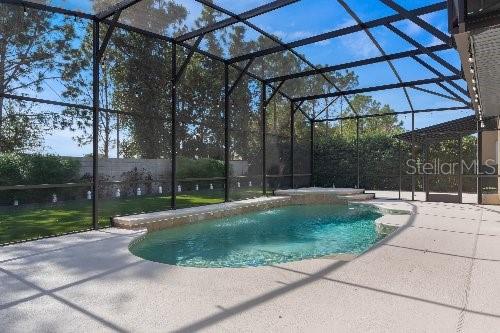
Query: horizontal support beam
(64, 104)
(358, 63)
(112, 10)
(231, 20)
(340, 32)
(454, 108)
(418, 21)
(47, 8)
(379, 88)
(43, 186)
(419, 46)
(435, 93)
(439, 74)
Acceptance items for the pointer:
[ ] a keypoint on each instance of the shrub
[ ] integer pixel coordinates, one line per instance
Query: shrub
(24, 169)
(21, 169)
(335, 162)
(200, 168)
(134, 179)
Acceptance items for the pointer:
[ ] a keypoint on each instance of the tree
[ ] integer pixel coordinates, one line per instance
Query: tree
(388, 124)
(135, 80)
(32, 48)
(141, 77)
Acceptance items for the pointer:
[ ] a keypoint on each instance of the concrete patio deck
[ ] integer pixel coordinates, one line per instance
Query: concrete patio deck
(439, 272)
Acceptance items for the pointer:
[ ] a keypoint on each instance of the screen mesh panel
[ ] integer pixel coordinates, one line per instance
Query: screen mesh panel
(278, 144)
(134, 138)
(45, 171)
(46, 56)
(380, 153)
(335, 154)
(302, 151)
(245, 138)
(200, 132)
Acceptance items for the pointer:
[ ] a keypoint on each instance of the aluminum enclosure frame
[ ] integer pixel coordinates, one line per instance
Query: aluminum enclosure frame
(110, 17)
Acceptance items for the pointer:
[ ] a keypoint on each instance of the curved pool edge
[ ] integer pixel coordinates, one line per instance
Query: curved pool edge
(391, 221)
(381, 230)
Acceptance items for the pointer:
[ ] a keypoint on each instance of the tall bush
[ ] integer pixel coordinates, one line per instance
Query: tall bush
(380, 155)
(199, 168)
(26, 169)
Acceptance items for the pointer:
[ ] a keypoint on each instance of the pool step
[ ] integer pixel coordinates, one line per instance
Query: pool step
(358, 197)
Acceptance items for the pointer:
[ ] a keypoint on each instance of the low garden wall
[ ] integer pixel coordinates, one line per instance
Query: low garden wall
(33, 179)
(157, 168)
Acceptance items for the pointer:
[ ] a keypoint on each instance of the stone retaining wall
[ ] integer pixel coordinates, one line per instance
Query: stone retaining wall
(167, 219)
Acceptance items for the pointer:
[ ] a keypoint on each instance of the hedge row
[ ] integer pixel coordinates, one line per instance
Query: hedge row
(381, 159)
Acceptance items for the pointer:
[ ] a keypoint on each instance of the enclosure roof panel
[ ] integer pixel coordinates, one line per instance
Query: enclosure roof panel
(241, 6)
(448, 130)
(90, 7)
(328, 15)
(392, 41)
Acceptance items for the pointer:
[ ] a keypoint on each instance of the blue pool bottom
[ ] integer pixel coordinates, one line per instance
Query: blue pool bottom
(274, 236)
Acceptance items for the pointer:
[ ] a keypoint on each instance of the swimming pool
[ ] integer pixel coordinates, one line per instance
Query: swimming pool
(273, 236)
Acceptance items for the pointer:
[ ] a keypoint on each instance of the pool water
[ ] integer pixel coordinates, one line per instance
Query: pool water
(262, 238)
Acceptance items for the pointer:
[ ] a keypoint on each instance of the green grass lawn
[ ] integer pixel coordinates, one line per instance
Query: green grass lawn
(23, 223)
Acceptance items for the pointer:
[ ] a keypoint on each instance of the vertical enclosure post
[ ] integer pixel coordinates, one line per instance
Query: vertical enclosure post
(425, 152)
(174, 126)
(413, 154)
(117, 135)
(357, 151)
(95, 122)
(400, 169)
(460, 178)
(292, 139)
(479, 163)
(264, 108)
(226, 133)
(311, 161)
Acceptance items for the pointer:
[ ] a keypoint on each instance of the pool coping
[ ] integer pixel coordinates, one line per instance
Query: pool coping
(167, 219)
(172, 218)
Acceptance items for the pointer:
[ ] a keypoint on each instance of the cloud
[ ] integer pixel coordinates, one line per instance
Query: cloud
(300, 34)
(345, 23)
(435, 19)
(358, 44)
(292, 35)
(240, 5)
(411, 28)
(434, 41)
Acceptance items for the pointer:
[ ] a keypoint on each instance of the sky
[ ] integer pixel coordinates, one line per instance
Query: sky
(311, 17)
